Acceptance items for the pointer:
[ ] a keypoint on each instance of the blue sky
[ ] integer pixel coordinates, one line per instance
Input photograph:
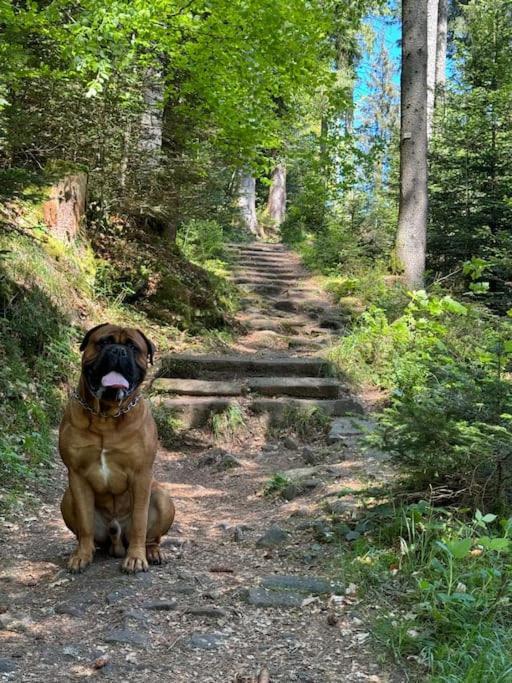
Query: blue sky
(389, 30)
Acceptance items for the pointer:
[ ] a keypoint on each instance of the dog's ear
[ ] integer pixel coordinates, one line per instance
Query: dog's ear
(85, 340)
(150, 345)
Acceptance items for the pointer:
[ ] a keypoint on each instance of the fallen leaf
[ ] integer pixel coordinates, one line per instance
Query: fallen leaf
(100, 662)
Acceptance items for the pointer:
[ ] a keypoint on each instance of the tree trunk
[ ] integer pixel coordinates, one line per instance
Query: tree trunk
(247, 202)
(277, 195)
(442, 40)
(412, 218)
(151, 122)
(432, 14)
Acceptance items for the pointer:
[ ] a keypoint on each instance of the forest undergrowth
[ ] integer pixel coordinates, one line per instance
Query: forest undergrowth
(433, 549)
(52, 291)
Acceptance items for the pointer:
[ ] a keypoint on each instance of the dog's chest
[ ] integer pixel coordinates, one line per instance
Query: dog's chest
(105, 473)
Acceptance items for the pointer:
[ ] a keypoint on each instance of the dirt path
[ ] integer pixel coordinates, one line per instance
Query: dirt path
(215, 612)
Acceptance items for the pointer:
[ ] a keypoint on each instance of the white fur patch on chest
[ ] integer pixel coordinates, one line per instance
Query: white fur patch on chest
(104, 469)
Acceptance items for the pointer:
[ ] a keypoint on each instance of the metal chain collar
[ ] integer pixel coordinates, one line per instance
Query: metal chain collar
(122, 411)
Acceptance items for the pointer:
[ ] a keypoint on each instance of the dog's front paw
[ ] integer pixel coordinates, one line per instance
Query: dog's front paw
(135, 562)
(79, 561)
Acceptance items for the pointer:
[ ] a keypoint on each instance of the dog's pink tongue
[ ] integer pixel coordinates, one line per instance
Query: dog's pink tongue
(116, 380)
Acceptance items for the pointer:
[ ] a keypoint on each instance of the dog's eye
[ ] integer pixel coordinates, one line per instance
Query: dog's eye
(131, 345)
(104, 342)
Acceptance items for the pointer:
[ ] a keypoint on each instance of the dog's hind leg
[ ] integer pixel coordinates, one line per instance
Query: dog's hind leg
(160, 518)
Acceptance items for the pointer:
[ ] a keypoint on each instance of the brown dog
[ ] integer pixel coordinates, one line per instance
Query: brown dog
(108, 442)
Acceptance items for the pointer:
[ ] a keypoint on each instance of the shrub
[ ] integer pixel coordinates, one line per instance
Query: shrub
(450, 412)
(201, 240)
(443, 586)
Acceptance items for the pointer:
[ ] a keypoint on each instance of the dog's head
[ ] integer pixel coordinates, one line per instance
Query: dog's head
(115, 360)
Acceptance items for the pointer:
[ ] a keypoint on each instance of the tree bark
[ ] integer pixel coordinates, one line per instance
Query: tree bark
(442, 41)
(277, 195)
(247, 202)
(151, 121)
(412, 217)
(432, 27)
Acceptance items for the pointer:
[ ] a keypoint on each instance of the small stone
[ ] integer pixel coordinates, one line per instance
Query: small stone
(301, 584)
(182, 587)
(322, 531)
(297, 474)
(5, 620)
(125, 636)
(345, 427)
(301, 512)
(205, 641)
(309, 455)
(292, 491)
(136, 614)
(337, 508)
(70, 609)
(7, 665)
(261, 597)
(290, 443)
(309, 484)
(161, 605)
(275, 536)
(212, 457)
(213, 612)
(70, 651)
(171, 541)
(238, 534)
(118, 594)
(229, 462)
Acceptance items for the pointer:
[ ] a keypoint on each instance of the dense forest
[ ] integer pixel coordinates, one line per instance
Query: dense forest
(139, 141)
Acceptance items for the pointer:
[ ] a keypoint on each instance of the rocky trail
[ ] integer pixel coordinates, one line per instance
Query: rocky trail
(253, 589)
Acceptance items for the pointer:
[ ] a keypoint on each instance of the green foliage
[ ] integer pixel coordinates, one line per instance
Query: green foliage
(306, 423)
(36, 355)
(168, 424)
(228, 423)
(277, 483)
(449, 418)
(201, 240)
(443, 587)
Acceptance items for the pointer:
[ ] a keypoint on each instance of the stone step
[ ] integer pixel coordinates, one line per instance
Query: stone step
(270, 279)
(277, 407)
(278, 261)
(261, 253)
(234, 366)
(195, 411)
(255, 246)
(272, 274)
(289, 271)
(278, 318)
(300, 387)
(270, 288)
(281, 326)
(310, 343)
(197, 387)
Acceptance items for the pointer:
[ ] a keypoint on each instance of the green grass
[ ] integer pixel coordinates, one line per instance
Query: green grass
(305, 423)
(228, 423)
